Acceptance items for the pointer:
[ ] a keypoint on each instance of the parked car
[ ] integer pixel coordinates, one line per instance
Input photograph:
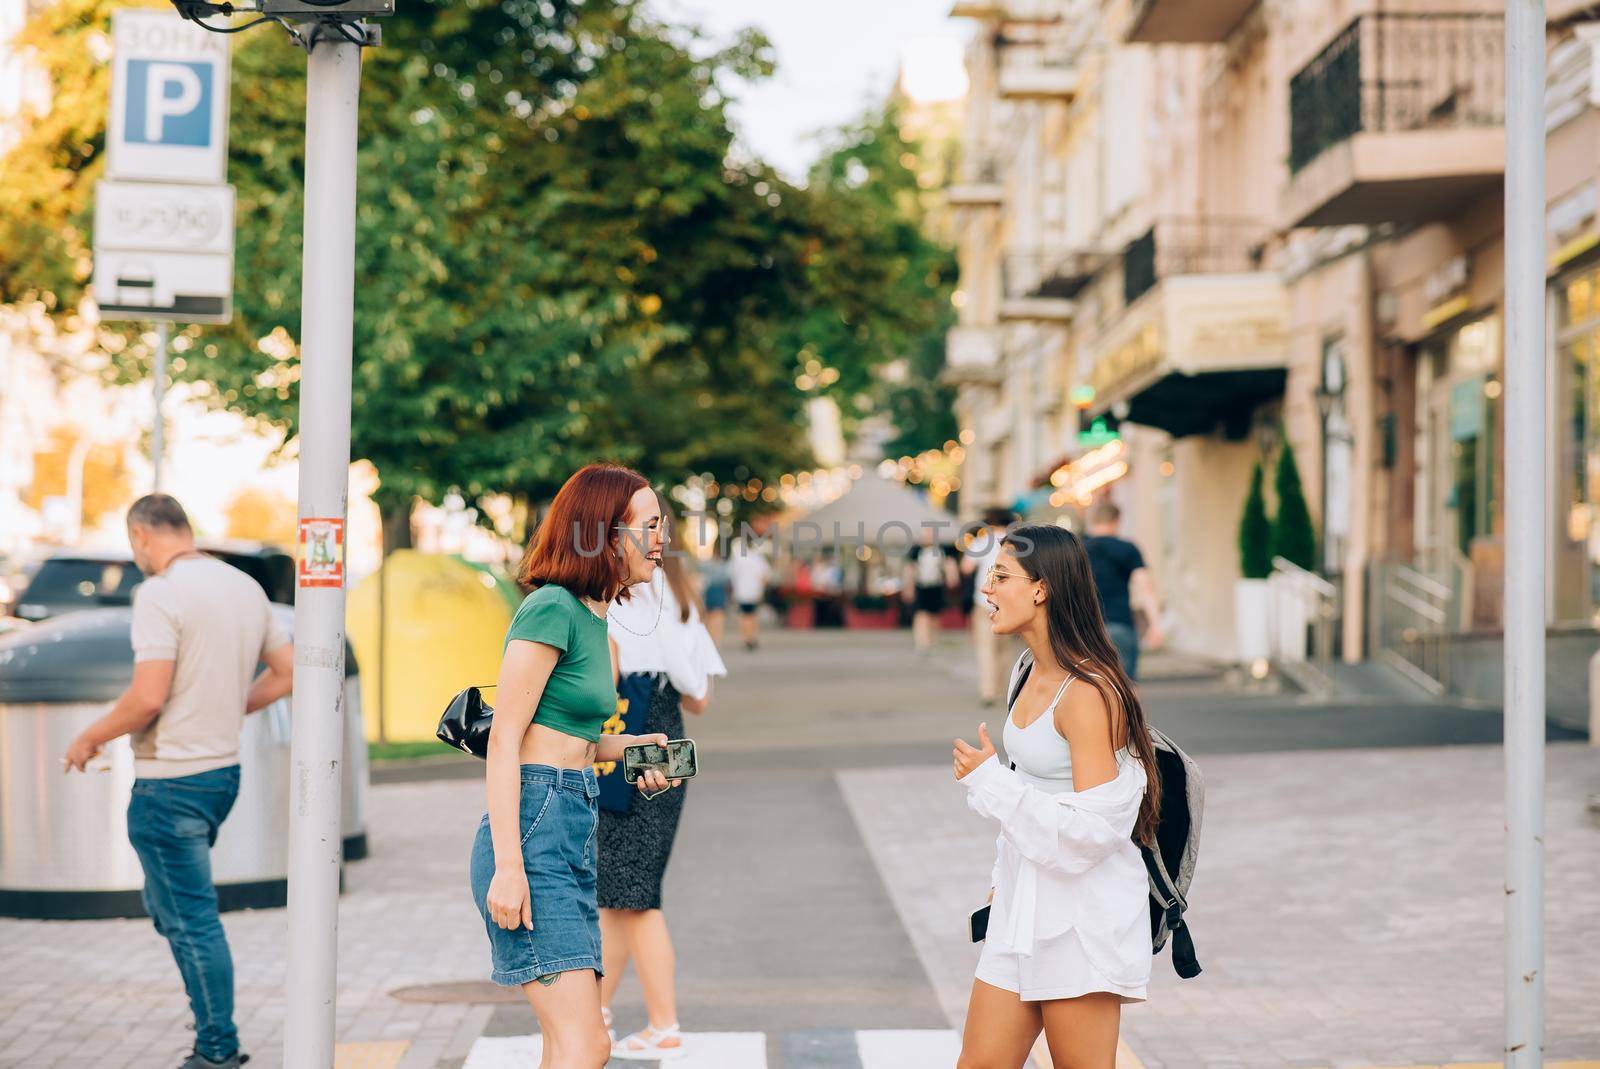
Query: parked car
(73, 580)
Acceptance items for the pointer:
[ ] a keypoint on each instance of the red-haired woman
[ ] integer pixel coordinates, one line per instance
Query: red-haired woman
(533, 861)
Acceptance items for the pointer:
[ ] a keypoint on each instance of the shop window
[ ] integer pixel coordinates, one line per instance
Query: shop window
(1576, 526)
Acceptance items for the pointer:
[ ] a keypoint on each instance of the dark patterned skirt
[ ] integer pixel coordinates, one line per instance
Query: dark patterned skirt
(635, 846)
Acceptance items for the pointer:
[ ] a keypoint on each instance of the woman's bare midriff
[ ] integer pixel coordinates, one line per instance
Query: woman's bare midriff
(542, 746)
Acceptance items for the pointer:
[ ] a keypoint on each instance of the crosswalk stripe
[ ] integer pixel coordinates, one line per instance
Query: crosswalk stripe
(702, 1050)
(876, 1048)
(926, 1049)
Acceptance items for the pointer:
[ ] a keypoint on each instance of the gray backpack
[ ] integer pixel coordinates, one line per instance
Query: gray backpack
(1170, 865)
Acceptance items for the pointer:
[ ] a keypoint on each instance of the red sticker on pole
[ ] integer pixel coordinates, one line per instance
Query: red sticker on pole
(321, 552)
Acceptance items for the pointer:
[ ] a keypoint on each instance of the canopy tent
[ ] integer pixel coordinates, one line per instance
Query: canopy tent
(875, 511)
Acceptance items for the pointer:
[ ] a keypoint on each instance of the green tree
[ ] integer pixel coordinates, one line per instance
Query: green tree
(555, 258)
(1293, 537)
(1255, 532)
(888, 285)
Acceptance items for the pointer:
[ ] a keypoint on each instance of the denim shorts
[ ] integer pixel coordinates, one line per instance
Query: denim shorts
(557, 818)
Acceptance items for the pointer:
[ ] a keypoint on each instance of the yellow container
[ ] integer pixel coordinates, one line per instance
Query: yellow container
(446, 623)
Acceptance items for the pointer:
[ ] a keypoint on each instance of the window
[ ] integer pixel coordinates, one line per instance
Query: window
(1576, 527)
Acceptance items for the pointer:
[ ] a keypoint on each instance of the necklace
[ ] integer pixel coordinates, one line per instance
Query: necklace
(661, 603)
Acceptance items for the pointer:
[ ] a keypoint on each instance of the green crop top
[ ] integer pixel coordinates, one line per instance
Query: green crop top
(580, 695)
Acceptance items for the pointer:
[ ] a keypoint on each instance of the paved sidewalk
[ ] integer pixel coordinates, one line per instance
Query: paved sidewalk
(106, 993)
(1347, 907)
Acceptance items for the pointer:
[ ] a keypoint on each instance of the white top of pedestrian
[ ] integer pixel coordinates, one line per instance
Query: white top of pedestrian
(683, 649)
(749, 570)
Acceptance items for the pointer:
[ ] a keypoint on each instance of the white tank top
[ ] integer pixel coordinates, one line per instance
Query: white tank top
(1042, 757)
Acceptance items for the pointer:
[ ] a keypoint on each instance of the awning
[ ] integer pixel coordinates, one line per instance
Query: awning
(1195, 355)
(1220, 401)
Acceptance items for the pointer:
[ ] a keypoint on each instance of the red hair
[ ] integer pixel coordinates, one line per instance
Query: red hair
(576, 545)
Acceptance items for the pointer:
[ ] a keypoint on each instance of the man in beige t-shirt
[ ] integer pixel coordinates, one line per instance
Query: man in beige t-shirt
(200, 628)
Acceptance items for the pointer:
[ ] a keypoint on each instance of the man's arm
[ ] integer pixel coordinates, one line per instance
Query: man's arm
(135, 709)
(275, 682)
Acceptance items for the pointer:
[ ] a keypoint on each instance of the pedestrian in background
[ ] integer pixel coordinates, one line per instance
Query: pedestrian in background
(533, 858)
(658, 636)
(828, 577)
(1068, 941)
(714, 582)
(200, 629)
(930, 571)
(980, 555)
(749, 570)
(1124, 584)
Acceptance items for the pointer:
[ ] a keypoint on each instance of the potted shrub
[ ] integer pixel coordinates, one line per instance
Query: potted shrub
(1252, 598)
(1294, 539)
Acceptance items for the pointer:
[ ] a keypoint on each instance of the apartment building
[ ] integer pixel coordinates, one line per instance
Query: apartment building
(1223, 225)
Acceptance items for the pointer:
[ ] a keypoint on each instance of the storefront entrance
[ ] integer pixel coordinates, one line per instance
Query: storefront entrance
(1458, 491)
(1575, 529)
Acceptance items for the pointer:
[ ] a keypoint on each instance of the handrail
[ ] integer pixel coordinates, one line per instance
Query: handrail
(1311, 579)
(1316, 612)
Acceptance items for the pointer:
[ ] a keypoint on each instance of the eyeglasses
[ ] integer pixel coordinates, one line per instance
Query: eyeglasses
(1000, 575)
(661, 527)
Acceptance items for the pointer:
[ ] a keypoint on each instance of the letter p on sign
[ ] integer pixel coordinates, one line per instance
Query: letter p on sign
(169, 103)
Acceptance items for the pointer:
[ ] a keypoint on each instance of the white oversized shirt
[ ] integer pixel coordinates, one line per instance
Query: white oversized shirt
(1067, 862)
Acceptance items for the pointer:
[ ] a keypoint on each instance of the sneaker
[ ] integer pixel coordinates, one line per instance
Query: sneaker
(650, 1045)
(196, 1060)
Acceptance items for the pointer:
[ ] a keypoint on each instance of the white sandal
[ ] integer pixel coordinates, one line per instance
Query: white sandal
(650, 1045)
(606, 1019)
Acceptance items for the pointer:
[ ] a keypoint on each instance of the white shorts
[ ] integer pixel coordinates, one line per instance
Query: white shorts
(1058, 968)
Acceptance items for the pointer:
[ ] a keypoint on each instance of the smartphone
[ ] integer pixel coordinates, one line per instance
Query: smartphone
(978, 924)
(676, 760)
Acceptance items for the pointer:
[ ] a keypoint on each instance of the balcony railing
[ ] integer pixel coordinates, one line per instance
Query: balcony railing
(1391, 72)
(1190, 245)
(1038, 274)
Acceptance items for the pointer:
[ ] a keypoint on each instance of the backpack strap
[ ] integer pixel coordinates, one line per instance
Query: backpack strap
(1167, 896)
(1019, 676)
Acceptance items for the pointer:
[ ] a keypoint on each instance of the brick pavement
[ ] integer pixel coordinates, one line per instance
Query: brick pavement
(1347, 908)
(108, 991)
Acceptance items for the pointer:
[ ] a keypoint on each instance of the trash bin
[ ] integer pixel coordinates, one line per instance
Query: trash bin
(64, 849)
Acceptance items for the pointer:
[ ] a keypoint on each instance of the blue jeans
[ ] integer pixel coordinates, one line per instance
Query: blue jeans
(172, 824)
(1126, 640)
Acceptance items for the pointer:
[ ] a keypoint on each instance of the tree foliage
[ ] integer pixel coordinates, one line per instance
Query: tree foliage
(1293, 536)
(555, 258)
(895, 283)
(1255, 532)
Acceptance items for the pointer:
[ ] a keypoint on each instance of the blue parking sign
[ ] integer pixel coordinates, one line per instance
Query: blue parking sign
(169, 102)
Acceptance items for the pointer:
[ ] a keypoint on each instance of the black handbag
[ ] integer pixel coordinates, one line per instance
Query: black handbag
(465, 723)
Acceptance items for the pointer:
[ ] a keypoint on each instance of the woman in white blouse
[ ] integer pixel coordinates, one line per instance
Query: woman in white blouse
(1069, 932)
(656, 632)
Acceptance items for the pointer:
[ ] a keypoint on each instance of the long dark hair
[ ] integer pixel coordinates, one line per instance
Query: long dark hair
(1057, 557)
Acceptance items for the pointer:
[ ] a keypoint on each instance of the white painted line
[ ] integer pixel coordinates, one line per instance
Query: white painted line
(703, 1050)
(921, 1049)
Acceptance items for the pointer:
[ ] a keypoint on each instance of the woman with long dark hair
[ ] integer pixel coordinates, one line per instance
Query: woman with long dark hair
(1069, 932)
(533, 860)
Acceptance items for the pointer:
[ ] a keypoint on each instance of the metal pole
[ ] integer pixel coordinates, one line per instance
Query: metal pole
(333, 82)
(1525, 533)
(163, 329)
